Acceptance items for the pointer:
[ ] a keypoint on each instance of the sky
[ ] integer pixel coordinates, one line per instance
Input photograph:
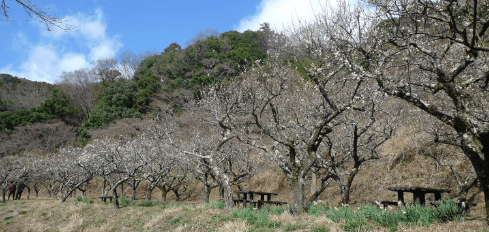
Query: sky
(107, 28)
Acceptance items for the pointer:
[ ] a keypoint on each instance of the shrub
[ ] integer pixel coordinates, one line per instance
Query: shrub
(448, 211)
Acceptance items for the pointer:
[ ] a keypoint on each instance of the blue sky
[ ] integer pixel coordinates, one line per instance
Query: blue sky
(108, 28)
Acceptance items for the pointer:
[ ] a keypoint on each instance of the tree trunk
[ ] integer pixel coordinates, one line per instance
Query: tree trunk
(149, 191)
(133, 195)
(486, 198)
(345, 194)
(122, 190)
(103, 187)
(36, 189)
(313, 182)
(134, 186)
(207, 193)
(3, 195)
(177, 195)
(480, 161)
(115, 199)
(164, 192)
(221, 192)
(225, 185)
(298, 185)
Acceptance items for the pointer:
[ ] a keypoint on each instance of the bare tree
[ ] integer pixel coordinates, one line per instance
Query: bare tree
(176, 179)
(117, 161)
(130, 61)
(80, 85)
(432, 55)
(162, 159)
(11, 171)
(79, 169)
(205, 138)
(355, 139)
(290, 117)
(107, 69)
(37, 13)
(204, 174)
(208, 32)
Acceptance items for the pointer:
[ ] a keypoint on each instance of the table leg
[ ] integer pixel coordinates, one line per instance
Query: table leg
(419, 198)
(244, 199)
(437, 196)
(400, 196)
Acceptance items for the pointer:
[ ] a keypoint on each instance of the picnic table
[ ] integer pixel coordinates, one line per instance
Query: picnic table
(419, 194)
(256, 203)
(104, 198)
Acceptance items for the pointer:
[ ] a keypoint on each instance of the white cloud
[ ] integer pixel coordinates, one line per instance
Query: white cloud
(58, 51)
(280, 13)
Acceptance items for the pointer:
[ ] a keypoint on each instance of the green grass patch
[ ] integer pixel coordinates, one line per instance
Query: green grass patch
(84, 199)
(125, 201)
(8, 218)
(359, 219)
(217, 204)
(148, 203)
(176, 220)
(316, 209)
(258, 219)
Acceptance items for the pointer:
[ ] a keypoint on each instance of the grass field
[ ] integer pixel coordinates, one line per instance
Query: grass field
(45, 214)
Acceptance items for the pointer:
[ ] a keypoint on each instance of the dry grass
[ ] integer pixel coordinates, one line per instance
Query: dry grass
(44, 214)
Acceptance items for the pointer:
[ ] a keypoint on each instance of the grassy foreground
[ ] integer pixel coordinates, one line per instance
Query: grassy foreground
(85, 215)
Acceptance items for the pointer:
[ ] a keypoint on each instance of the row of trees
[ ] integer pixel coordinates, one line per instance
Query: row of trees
(357, 60)
(151, 157)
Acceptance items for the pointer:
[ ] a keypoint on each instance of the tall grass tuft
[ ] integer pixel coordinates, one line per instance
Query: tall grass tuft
(125, 201)
(357, 219)
(316, 209)
(258, 218)
(217, 204)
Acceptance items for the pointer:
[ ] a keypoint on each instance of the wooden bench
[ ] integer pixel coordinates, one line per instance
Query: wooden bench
(104, 198)
(259, 203)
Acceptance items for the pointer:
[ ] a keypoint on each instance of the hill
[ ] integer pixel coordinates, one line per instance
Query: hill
(18, 93)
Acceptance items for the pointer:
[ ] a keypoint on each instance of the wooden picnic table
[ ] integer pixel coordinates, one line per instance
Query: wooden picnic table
(419, 193)
(104, 198)
(257, 203)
